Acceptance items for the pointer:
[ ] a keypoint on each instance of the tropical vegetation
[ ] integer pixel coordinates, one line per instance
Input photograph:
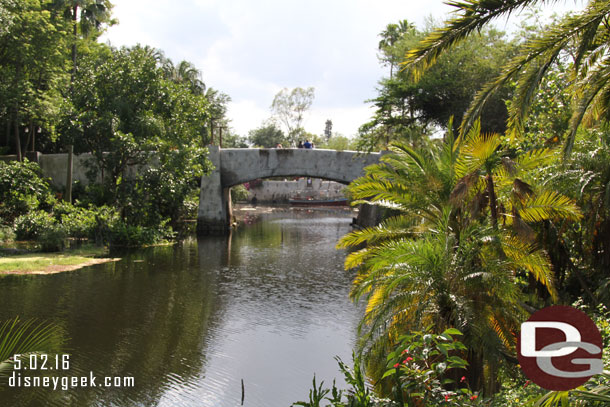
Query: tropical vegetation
(483, 228)
(145, 120)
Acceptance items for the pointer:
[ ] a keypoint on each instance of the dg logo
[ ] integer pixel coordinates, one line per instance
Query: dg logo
(560, 348)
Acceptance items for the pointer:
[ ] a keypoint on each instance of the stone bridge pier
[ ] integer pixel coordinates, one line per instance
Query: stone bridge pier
(234, 166)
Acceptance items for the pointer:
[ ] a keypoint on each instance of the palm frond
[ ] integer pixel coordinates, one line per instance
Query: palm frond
(528, 257)
(533, 61)
(472, 15)
(527, 87)
(396, 227)
(26, 337)
(554, 398)
(589, 89)
(549, 205)
(534, 159)
(476, 149)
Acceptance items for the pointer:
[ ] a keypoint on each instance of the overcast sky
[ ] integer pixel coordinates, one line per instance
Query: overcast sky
(250, 50)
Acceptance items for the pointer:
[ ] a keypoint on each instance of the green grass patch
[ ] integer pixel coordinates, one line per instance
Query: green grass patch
(40, 261)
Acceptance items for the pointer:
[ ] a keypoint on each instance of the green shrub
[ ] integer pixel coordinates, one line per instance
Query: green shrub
(78, 222)
(22, 189)
(6, 234)
(33, 224)
(126, 235)
(52, 239)
(239, 193)
(105, 219)
(154, 196)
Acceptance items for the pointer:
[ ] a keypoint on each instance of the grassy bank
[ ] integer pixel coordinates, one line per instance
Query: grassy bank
(48, 263)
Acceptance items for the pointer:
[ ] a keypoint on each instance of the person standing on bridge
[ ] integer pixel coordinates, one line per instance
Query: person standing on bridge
(300, 144)
(307, 144)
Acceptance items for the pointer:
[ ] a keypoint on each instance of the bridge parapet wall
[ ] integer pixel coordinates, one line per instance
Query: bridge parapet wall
(241, 165)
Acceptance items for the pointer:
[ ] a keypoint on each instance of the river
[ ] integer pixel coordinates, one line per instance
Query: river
(268, 305)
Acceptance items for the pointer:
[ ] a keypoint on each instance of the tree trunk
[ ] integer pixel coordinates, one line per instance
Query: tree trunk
(68, 195)
(211, 132)
(17, 139)
(8, 130)
(493, 204)
(16, 117)
(75, 32)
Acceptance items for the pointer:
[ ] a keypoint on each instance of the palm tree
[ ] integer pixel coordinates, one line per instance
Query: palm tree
(587, 32)
(391, 34)
(89, 15)
(486, 166)
(184, 73)
(439, 261)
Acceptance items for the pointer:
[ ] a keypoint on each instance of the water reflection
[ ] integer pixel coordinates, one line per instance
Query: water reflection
(267, 305)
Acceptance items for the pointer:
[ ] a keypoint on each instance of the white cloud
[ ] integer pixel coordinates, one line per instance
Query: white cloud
(252, 49)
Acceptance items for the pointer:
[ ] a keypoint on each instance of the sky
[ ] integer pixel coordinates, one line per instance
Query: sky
(251, 50)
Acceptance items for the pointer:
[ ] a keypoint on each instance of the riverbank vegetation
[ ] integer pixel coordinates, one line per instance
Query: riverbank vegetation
(488, 223)
(145, 120)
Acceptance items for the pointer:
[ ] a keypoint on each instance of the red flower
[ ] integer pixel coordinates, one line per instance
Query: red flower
(404, 351)
(463, 379)
(396, 365)
(446, 397)
(474, 397)
(527, 382)
(408, 359)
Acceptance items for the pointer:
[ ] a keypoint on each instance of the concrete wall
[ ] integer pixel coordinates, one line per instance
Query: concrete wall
(239, 165)
(214, 214)
(54, 167)
(281, 191)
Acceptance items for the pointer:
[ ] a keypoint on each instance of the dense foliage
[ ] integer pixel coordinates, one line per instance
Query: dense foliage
(489, 227)
(145, 120)
(581, 38)
(407, 109)
(22, 189)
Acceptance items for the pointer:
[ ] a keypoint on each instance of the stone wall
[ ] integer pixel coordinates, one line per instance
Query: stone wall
(280, 191)
(54, 167)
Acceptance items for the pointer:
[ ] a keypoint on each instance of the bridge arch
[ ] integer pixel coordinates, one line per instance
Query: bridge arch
(235, 166)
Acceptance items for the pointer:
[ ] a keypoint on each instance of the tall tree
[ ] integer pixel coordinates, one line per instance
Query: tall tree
(390, 36)
(217, 118)
(89, 15)
(268, 135)
(408, 110)
(32, 68)
(127, 113)
(328, 129)
(289, 107)
(185, 73)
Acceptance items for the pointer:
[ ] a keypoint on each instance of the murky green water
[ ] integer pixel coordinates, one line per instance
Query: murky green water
(268, 305)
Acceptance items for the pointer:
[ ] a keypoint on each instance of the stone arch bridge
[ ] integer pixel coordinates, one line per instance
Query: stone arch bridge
(234, 166)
